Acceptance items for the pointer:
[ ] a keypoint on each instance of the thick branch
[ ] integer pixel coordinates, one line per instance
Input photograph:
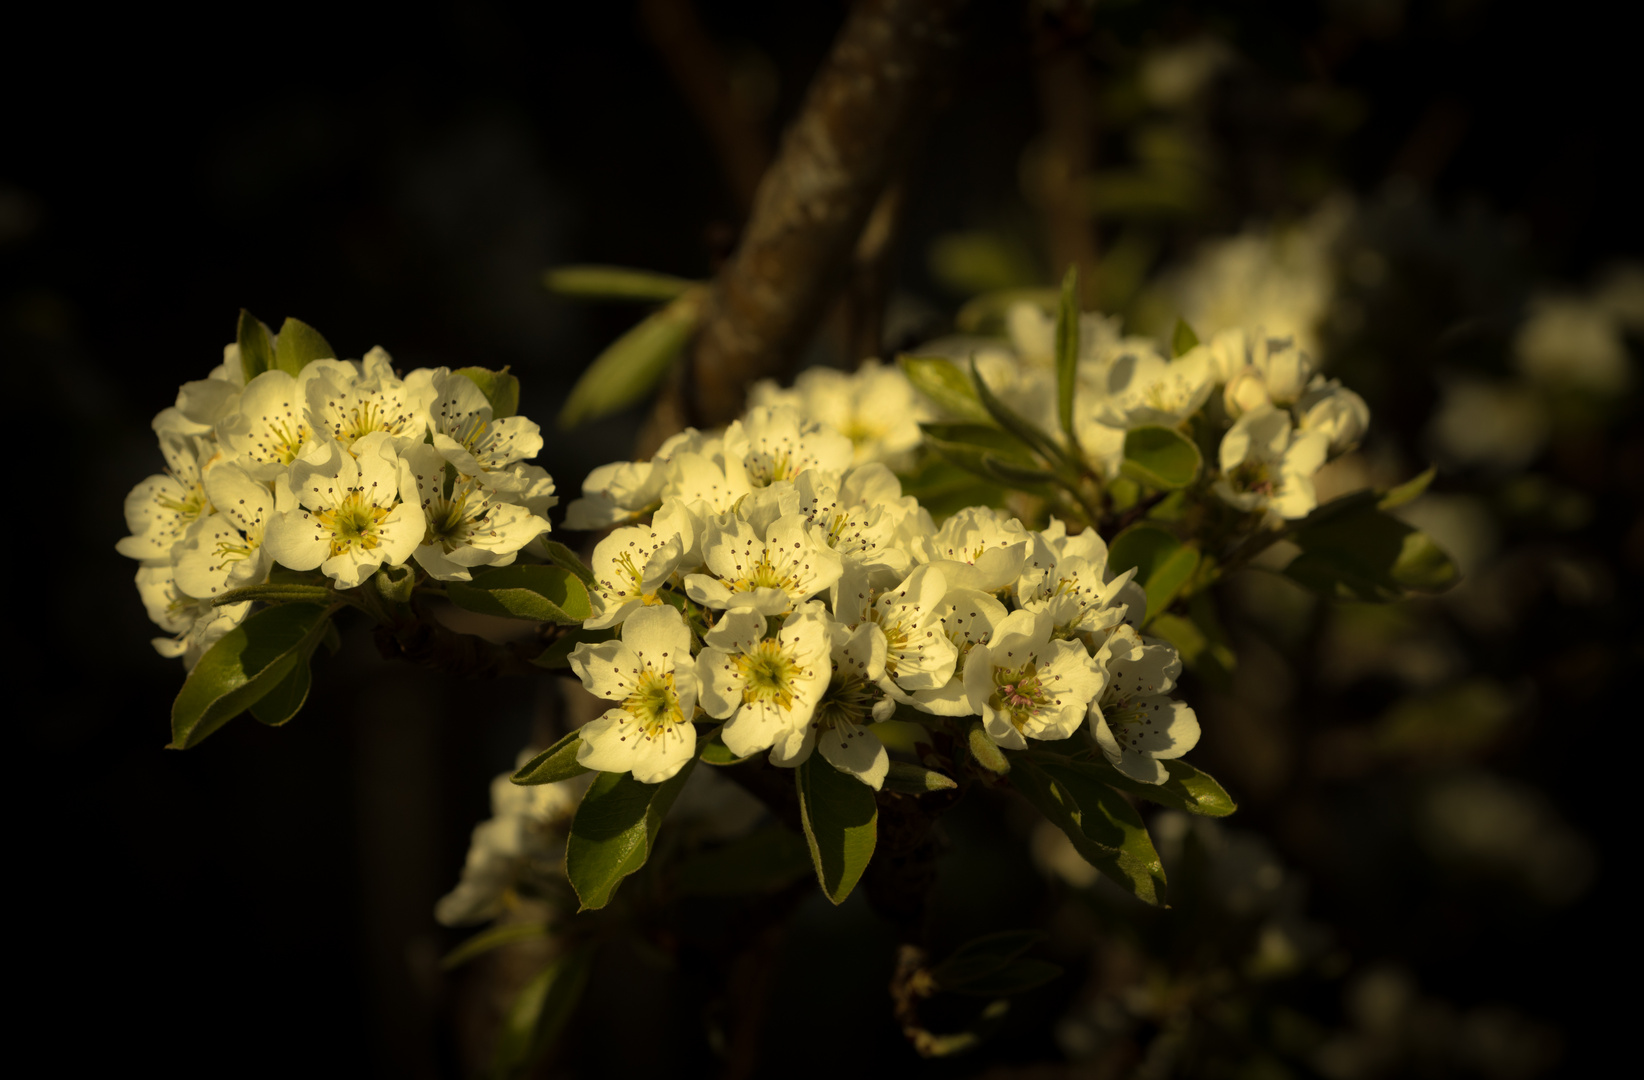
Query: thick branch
(877, 84)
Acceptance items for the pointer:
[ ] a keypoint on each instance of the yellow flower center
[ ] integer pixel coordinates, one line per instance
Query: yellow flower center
(768, 674)
(654, 703)
(353, 522)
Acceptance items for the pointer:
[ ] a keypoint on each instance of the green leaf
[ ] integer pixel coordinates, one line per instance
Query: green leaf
(1104, 828)
(841, 822)
(945, 385)
(501, 389)
(1409, 491)
(765, 860)
(540, 1013)
(245, 664)
(633, 364)
(286, 699)
(1067, 351)
(256, 346)
(985, 750)
(988, 453)
(557, 656)
(989, 312)
(522, 591)
(1200, 639)
(612, 833)
(560, 555)
(1186, 788)
(1163, 563)
(1007, 418)
(910, 779)
(494, 938)
(300, 345)
(276, 594)
(983, 956)
(615, 283)
(1183, 340)
(1160, 458)
(558, 762)
(1363, 553)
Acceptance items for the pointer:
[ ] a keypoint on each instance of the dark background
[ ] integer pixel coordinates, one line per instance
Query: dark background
(264, 902)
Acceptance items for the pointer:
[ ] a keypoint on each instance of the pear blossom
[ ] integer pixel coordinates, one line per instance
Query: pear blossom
(1066, 577)
(358, 510)
(766, 689)
(466, 431)
(270, 427)
(774, 444)
(1267, 465)
(855, 697)
(771, 573)
(205, 402)
(860, 517)
(1335, 412)
(1025, 685)
(161, 508)
(977, 548)
(195, 625)
(650, 671)
(1278, 374)
(968, 618)
(1135, 721)
(349, 405)
(468, 523)
(616, 494)
(635, 561)
(875, 407)
(919, 655)
(1142, 387)
(225, 550)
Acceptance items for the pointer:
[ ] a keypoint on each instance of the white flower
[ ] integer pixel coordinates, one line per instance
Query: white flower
(1278, 374)
(358, 510)
(771, 573)
(875, 407)
(205, 402)
(1024, 685)
(1066, 577)
(1266, 465)
(860, 518)
(977, 548)
(1134, 720)
(968, 618)
(613, 494)
(650, 671)
(465, 429)
(225, 551)
(855, 698)
(633, 562)
(270, 427)
(1335, 412)
(348, 406)
(765, 688)
(469, 523)
(774, 444)
(161, 508)
(1228, 352)
(195, 624)
(1142, 387)
(919, 655)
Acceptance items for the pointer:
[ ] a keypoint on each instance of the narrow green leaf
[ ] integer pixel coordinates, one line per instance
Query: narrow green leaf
(945, 385)
(501, 389)
(1364, 553)
(540, 1013)
(765, 860)
(558, 762)
(557, 656)
(276, 594)
(985, 750)
(841, 822)
(1409, 491)
(1160, 458)
(1067, 352)
(523, 591)
(615, 283)
(988, 453)
(287, 697)
(633, 364)
(1163, 563)
(560, 555)
(299, 345)
(1105, 829)
(1007, 418)
(245, 664)
(256, 346)
(1187, 788)
(612, 833)
(1183, 340)
(493, 938)
(911, 779)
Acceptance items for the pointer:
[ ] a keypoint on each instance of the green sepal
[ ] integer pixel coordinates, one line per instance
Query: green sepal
(1010, 420)
(612, 833)
(272, 593)
(256, 345)
(557, 656)
(1186, 788)
(1182, 340)
(558, 762)
(395, 584)
(616, 283)
(910, 779)
(501, 389)
(300, 345)
(945, 385)
(765, 860)
(492, 938)
(985, 750)
(562, 556)
(244, 665)
(287, 697)
(523, 591)
(1163, 563)
(540, 1013)
(1067, 352)
(633, 364)
(1160, 458)
(1105, 829)
(841, 820)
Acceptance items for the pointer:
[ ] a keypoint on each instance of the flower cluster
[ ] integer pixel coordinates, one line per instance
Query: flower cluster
(342, 468)
(765, 579)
